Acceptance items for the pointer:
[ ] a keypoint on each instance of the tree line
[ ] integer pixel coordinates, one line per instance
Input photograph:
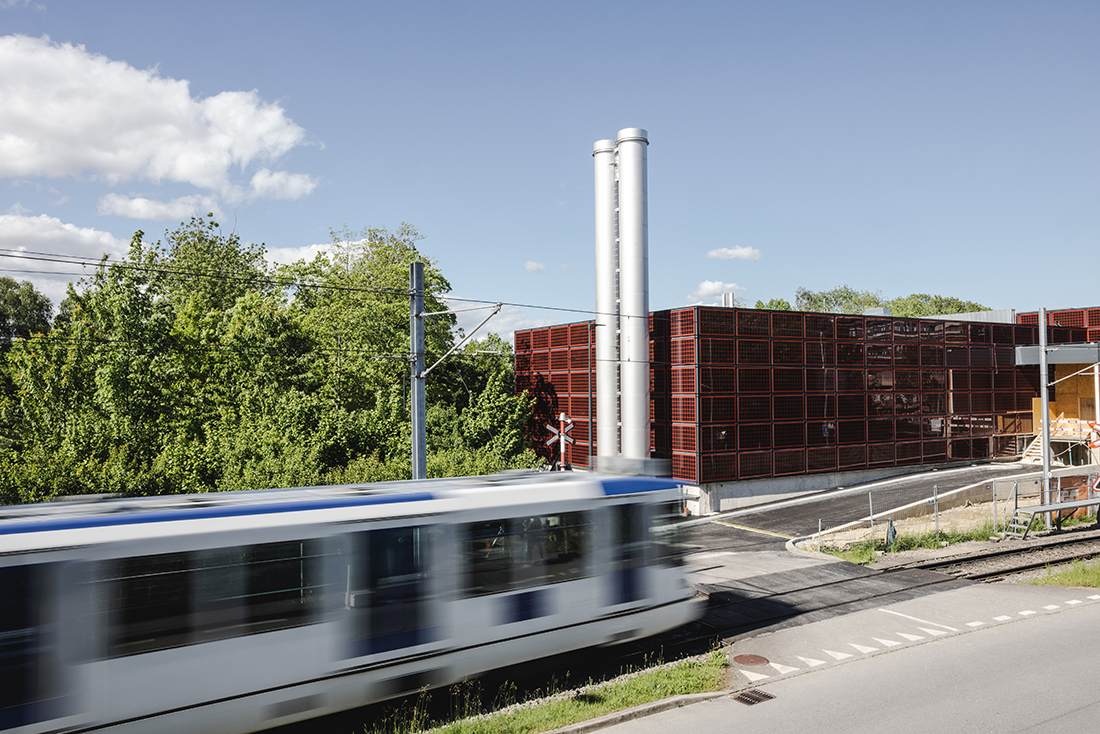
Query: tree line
(847, 300)
(192, 365)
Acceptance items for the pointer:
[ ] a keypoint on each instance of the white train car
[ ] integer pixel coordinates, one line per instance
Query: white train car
(235, 612)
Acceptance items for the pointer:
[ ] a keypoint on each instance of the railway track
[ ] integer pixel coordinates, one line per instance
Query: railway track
(1015, 557)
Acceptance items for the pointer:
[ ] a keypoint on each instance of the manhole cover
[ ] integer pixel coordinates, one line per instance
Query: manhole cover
(750, 660)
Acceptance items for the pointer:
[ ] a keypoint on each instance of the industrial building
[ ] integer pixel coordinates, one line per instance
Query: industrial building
(742, 394)
(733, 398)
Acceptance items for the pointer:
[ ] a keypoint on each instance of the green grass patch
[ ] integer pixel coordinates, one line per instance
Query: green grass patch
(1079, 573)
(692, 676)
(866, 552)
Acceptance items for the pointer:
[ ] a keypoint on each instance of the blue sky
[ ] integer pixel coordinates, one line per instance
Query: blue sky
(938, 147)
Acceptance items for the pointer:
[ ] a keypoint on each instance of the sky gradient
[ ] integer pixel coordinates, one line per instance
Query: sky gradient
(950, 148)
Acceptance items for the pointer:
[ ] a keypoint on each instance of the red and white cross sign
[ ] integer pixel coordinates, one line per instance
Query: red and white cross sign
(561, 434)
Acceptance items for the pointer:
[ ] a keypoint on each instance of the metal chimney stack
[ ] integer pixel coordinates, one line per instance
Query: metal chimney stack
(622, 296)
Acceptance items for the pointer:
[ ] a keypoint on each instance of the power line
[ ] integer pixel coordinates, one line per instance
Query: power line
(278, 282)
(180, 347)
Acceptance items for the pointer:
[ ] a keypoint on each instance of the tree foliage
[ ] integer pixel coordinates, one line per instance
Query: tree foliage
(774, 304)
(23, 311)
(193, 366)
(847, 300)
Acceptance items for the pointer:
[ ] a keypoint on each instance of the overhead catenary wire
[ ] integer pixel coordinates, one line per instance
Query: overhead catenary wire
(278, 282)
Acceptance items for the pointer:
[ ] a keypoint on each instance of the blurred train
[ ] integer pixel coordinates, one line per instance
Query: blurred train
(236, 612)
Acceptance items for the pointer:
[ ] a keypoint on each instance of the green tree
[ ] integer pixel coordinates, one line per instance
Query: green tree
(845, 299)
(922, 304)
(842, 299)
(23, 311)
(774, 304)
(185, 368)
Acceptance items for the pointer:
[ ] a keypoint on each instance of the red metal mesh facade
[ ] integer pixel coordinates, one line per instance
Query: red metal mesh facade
(555, 365)
(743, 394)
(1070, 321)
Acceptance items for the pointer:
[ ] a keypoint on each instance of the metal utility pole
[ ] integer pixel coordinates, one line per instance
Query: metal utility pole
(1096, 408)
(1044, 382)
(416, 372)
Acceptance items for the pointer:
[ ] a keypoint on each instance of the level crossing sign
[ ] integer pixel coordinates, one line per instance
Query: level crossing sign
(560, 433)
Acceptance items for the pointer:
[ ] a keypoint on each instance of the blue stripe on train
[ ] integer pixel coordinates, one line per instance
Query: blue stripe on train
(203, 513)
(633, 485)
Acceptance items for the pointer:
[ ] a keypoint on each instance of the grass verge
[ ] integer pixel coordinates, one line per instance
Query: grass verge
(1079, 573)
(691, 676)
(866, 551)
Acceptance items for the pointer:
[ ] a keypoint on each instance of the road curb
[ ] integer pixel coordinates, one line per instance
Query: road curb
(791, 546)
(646, 709)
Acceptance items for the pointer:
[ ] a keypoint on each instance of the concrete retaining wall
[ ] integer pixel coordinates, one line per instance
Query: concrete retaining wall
(726, 496)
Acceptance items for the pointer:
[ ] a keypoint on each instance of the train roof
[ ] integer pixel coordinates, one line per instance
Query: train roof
(99, 512)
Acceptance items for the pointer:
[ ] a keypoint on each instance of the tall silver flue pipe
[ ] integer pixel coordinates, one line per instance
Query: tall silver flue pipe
(622, 297)
(633, 293)
(607, 302)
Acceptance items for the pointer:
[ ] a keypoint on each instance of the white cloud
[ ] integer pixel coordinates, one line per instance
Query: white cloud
(735, 253)
(282, 185)
(533, 267)
(712, 290)
(287, 255)
(69, 112)
(26, 234)
(137, 207)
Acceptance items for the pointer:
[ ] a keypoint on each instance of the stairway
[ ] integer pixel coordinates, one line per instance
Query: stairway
(1019, 526)
(1033, 454)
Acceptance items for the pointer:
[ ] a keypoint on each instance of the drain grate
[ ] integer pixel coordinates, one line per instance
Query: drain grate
(752, 697)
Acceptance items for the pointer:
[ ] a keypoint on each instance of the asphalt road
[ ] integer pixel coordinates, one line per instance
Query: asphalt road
(799, 517)
(1000, 658)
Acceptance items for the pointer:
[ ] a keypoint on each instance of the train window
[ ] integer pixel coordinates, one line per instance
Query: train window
(284, 585)
(19, 674)
(668, 546)
(518, 553)
(149, 603)
(164, 601)
(628, 551)
(387, 589)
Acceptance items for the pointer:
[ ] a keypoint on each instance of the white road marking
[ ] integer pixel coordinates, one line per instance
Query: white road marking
(753, 676)
(911, 638)
(837, 655)
(922, 621)
(887, 643)
(935, 633)
(1074, 601)
(704, 556)
(783, 669)
(1051, 607)
(1026, 613)
(812, 662)
(1094, 596)
(863, 648)
(974, 624)
(1002, 618)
